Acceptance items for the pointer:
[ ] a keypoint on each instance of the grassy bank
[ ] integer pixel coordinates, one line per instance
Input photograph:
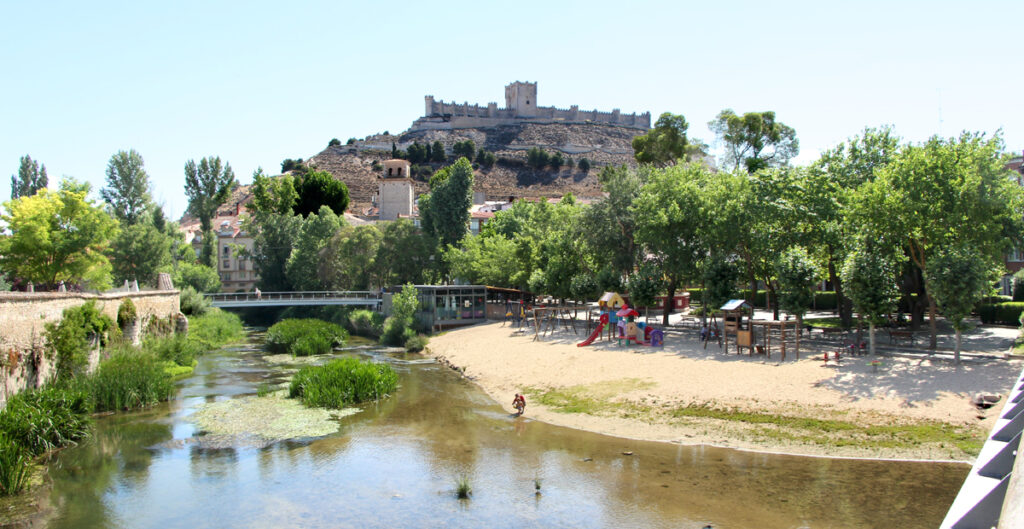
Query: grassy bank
(821, 426)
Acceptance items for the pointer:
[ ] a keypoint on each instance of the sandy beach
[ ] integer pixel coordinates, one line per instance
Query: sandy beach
(794, 406)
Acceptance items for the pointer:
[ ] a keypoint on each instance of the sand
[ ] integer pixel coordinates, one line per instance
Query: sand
(647, 384)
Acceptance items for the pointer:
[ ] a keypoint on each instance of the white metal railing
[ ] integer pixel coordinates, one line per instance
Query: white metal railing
(325, 295)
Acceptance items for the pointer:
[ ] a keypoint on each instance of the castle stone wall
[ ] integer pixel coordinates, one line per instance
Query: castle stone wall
(24, 315)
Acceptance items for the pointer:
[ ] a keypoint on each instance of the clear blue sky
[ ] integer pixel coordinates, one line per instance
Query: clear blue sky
(257, 82)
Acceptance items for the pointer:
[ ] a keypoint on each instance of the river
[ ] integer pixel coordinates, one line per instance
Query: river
(395, 464)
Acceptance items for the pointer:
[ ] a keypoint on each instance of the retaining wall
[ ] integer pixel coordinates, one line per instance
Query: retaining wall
(23, 317)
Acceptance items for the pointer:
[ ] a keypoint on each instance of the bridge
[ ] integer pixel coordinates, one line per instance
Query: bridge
(360, 298)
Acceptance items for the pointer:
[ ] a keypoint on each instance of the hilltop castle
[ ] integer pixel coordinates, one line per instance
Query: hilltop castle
(520, 106)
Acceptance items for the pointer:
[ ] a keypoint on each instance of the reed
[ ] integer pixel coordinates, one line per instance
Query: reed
(462, 487)
(46, 419)
(215, 328)
(342, 382)
(129, 379)
(303, 337)
(13, 467)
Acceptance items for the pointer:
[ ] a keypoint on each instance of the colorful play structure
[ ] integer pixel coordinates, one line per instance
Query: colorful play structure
(615, 315)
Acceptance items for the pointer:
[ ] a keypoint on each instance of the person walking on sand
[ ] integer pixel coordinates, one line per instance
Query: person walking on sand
(519, 403)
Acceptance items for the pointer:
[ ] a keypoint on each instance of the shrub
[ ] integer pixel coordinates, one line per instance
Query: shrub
(177, 349)
(584, 165)
(13, 467)
(303, 337)
(416, 343)
(196, 275)
(398, 327)
(342, 382)
(80, 329)
(334, 142)
(126, 313)
(1018, 285)
(192, 303)
(129, 379)
(215, 328)
(825, 300)
(367, 323)
(1008, 313)
(46, 419)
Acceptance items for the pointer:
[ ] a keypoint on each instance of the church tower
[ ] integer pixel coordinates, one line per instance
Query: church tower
(395, 190)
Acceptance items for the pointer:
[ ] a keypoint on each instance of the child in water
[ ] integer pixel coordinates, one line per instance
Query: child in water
(519, 403)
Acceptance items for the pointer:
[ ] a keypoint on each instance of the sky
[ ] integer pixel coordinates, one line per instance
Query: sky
(257, 82)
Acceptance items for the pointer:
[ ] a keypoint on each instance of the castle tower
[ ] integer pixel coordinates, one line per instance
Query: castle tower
(521, 98)
(395, 190)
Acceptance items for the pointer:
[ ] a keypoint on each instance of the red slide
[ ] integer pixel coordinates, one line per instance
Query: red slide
(590, 339)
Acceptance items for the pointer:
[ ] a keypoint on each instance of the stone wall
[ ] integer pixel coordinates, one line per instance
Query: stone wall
(23, 317)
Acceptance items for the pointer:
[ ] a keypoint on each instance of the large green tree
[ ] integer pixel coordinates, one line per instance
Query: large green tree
(304, 267)
(870, 277)
(348, 261)
(127, 190)
(320, 188)
(139, 251)
(665, 144)
(942, 193)
(797, 275)
(57, 236)
(665, 212)
(30, 179)
(207, 185)
(273, 227)
(405, 254)
(445, 210)
(755, 140)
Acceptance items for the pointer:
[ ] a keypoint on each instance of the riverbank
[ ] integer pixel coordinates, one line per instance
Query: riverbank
(913, 407)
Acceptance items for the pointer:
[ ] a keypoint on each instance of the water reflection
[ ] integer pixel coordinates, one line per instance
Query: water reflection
(395, 464)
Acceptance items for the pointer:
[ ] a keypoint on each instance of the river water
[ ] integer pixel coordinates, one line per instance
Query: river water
(395, 464)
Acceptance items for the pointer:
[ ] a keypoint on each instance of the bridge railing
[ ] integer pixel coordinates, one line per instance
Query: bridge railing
(288, 296)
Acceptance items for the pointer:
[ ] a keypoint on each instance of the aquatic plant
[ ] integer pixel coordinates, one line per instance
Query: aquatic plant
(302, 337)
(129, 379)
(177, 349)
(367, 323)
(416, 343)
(462, 487)
(215, 328)
(46, 419)
(13, 467)
(342, 382)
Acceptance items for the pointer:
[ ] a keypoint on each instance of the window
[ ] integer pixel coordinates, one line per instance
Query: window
(227, 264)
(227, 251)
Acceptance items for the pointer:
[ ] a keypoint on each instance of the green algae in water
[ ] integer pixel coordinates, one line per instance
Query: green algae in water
(272, 418)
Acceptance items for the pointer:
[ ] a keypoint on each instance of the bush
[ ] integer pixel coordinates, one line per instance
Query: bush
(215, 328)
(129, 379)
(177, 349)
(1008, 313)
(584, 165)
(46, 419)
(192, 303)
(342, 382)
(335, 142)
(126, 313)
(398, 328)
(303, 337)
(13, 467)
(1018, 285)
(367, 323)
(416, 343)
(70, 339)
(825, 300)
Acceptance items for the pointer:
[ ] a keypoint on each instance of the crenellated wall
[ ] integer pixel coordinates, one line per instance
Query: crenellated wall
(23, 319)
(521, 106)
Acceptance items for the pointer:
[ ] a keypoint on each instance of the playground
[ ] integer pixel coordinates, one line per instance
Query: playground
(635, 389)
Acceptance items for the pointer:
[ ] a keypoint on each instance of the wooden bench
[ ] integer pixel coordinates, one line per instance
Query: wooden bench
(897, 334)
(832, 332)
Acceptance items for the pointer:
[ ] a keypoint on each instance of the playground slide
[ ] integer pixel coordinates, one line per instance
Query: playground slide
(593, 336)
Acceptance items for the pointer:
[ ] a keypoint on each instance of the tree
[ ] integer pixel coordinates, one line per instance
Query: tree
(755, 140)
(797, 275)
(720, 277)
(870, 278)
(139, 251)
(437, 154)
(958, 276)
(200, 277)
(274, 228)
(398, 328)
(485, 159)
(334, 142)
(57, 236)
(445, 210)
(665, 210)
(207, 186)
(943, 193)
(347, 262)
(665, 144)
(404, 255)
(537, 158)
(465, 149)
(30, 179)
(417, 153)
(644, 285)
(303, 269)
(483, 260)
(289, 165)
(127, 190)
(608, 227)
(320, 188)
(556, 161)
(584, 165)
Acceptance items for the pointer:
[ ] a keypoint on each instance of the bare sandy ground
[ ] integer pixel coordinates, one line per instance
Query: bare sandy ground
(656, 381)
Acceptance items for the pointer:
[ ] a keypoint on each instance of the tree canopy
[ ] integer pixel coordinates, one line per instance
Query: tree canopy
(30, 179)
(57, 236)
(320, 188)
(755, 140)
(127, 190)
(445, 210)
(665, 144)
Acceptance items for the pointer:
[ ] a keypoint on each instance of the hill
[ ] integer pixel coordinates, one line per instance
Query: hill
(357, 163)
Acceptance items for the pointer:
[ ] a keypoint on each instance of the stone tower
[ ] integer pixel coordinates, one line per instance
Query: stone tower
(521, 98)
(396, 190)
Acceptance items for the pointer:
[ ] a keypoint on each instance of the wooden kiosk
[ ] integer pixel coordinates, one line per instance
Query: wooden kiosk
(733, 313)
